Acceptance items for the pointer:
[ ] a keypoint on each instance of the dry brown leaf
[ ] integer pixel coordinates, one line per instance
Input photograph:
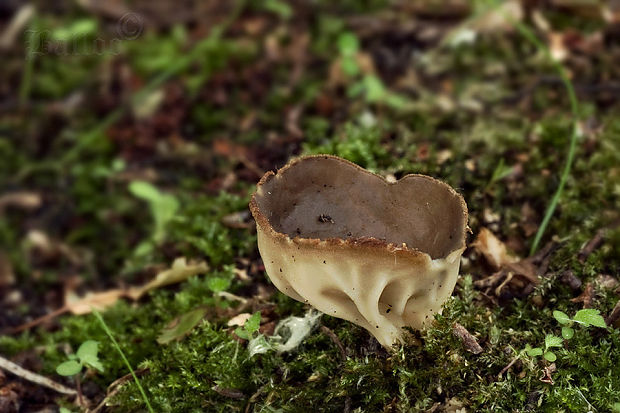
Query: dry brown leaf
(239, 319)
(99, 301)
(180, 271)
(493, 250)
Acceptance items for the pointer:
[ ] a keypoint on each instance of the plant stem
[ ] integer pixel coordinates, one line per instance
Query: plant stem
(574, 104)
(118, 348)
(529, 35)
(78, 384)
(26, 82)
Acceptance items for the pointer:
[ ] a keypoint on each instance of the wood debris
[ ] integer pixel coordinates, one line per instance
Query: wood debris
(468, 340)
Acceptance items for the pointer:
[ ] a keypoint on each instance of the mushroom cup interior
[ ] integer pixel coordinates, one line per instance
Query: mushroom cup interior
(323, 197)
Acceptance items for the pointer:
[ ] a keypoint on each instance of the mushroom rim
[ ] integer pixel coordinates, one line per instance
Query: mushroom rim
(368, 243)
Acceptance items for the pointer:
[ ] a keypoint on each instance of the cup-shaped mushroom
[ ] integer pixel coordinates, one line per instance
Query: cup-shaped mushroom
(382, 255)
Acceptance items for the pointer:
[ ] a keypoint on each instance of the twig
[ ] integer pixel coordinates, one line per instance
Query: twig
(33, 377)
(37, 321)
(336, 341)
(592, 245)
(114, 388)
(614, 316)
(505, 369)
(468, 340)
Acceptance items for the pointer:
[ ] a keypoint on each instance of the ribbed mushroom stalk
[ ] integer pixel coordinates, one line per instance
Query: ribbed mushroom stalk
(381, 255)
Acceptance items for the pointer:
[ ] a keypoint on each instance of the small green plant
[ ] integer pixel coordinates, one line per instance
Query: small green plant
(163, 206)
(85, 356)
(587, 317)
(250, 327)
(368, 85)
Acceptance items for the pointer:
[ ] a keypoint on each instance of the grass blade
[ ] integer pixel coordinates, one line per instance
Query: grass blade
(118, 348)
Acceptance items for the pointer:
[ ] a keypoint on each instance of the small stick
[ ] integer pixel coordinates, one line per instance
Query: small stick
(468, 340)
(37, 321)
(505, 369)
(336, 341)
(33, 377)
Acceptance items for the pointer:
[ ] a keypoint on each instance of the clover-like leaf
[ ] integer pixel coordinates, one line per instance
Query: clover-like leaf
(69, 368)
(562, 317)
(550, 356)
(88, 349)
(590, 317)
(96, 364)
(533, 352)
(567, 333)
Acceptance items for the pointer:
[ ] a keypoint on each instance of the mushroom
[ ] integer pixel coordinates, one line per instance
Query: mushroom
(382, 255)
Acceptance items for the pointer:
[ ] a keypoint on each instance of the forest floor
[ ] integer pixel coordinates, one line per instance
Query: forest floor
(131, 137)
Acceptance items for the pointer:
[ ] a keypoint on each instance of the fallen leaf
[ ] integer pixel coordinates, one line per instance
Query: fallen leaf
(547, 372)
(518, 278)
(99, 301)
(181, 325)
(238, 320)
(493, 250)
(180, 271)
(585, 297)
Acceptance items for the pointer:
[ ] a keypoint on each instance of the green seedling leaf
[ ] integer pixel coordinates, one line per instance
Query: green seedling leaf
(64, 410)
(253, 323)
(96, 364)
(163, 206)
(550, 356)
(375, 89)
(562, 318)
(218, 284)
(348, 44)
(180, 326)
(590, 317)
(78, 30)
(567, 333)
(88, 349)
(241, 333)
(69, 368)
(349, 66)
(533, 352)
(87, 353)
(279, 7)
(501, 171)
(553, 341)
